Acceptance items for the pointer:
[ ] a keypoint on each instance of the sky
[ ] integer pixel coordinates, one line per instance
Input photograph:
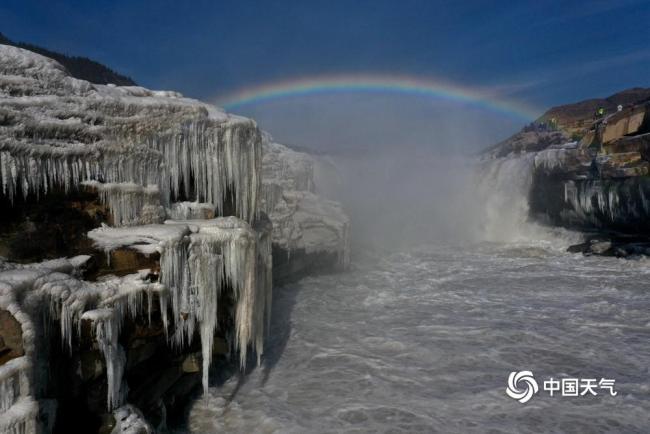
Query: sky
(538, 53)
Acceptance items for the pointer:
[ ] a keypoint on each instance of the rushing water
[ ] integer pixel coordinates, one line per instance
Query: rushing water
(424, 341)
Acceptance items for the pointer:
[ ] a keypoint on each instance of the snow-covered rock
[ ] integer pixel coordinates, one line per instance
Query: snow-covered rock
(198, 259)
(57, 131)
(303, 222)
(148, 155)
(150, 172)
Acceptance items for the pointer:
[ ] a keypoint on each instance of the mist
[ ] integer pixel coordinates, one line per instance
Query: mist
(403, 167)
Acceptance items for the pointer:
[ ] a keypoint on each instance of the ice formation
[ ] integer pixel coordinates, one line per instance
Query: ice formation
(60, 131)
(557, 156)
(284, 169)
(69, 300)
(199, 259)
(191, 211)
(129, 420)
(302, 220)
(129, 203)
(18, 409)
(149, 156)
(596, 201)
(140, 150)
(20, 418)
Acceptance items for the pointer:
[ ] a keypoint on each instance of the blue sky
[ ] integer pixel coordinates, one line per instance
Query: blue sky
(540, 52)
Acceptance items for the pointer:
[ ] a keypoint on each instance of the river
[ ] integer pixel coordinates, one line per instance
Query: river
(424, 340)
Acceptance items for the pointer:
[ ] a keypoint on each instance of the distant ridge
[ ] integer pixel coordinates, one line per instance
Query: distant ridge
(79, 67)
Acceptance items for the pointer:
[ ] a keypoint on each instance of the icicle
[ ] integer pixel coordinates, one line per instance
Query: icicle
(106, 332)
(195, 268)
(20, 418)
(14, 381)
(206, 267)
(204, 158)
(191, 211)
(129, 203)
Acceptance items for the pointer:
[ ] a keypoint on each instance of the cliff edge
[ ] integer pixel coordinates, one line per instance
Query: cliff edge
(591, 162)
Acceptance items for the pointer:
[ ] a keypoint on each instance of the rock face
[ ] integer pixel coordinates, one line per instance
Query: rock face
(310, 233)
(532, 138)
(153, 199)
(599, 183)
(579, 117)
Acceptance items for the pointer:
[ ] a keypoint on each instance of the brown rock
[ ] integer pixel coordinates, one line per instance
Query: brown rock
(11, 337)
(579, 116)
(192, 363)
(587, 140)
(127, 261)
(624, 123)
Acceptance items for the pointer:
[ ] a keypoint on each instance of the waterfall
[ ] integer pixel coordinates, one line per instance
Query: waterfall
(502, 197)
(503, 188)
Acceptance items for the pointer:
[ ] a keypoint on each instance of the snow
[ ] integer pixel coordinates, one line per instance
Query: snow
(304, 221)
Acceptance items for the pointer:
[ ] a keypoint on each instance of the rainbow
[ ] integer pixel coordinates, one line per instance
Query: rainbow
(374, 83)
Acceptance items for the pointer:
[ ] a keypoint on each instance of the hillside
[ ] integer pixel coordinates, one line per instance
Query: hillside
(78, 67)
(578, 116)
(569, 122)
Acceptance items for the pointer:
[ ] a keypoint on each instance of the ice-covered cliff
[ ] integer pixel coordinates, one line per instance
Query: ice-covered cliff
(177, 258)
(310, 233)
(57, 131)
